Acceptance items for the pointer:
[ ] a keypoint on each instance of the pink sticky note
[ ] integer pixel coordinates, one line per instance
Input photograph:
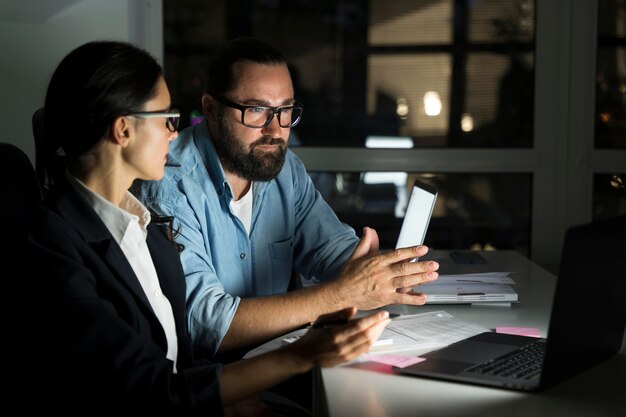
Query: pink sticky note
(520, 331)
(395, 360)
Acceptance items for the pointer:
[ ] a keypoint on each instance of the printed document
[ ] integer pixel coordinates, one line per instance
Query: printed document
(424, 330)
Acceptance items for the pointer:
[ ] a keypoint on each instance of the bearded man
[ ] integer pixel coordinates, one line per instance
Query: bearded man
(247, 215)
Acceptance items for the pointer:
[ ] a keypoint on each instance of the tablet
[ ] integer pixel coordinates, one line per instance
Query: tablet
(417, 215)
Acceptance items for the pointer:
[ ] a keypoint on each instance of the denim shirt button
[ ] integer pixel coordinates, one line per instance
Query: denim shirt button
(242, 255)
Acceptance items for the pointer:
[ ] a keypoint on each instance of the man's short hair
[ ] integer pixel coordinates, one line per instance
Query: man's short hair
(219, 73)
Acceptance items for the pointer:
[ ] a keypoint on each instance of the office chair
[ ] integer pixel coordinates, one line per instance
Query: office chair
(21, 198)
(20, 187)
(42, 158)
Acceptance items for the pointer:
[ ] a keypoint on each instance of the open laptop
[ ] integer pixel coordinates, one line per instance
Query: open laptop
(419, 210)
(586, 324)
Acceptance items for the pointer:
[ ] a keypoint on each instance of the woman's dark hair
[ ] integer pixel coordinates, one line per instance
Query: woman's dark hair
(219, 73)
(92, 86)
(168, 222)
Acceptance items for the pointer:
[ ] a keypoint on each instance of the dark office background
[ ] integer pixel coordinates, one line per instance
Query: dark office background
(439, 74)
(514, 109)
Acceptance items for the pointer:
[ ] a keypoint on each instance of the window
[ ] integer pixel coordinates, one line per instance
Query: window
(458, 90)
(611, 75)
(416, 74)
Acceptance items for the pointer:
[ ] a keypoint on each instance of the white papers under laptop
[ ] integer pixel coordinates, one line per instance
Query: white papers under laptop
(417, 216)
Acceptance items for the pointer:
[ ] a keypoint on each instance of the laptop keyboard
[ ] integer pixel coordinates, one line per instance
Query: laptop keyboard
(523, 363)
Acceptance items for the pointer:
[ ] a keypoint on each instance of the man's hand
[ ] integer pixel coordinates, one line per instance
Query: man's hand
(371, 279)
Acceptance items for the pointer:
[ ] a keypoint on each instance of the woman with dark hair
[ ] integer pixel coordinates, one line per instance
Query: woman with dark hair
(108, 310)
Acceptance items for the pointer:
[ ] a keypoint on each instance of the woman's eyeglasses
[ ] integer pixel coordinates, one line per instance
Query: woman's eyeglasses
(172, 117)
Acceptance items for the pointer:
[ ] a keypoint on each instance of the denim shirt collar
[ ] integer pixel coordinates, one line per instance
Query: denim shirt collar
(204, 143)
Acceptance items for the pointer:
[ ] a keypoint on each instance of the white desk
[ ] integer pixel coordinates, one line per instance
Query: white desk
(369, 389)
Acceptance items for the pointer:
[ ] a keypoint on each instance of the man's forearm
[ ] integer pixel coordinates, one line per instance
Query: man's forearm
(260, 319)
(366, 282)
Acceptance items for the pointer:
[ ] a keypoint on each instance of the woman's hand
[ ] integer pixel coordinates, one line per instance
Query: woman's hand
(323, 345)
(332, 344)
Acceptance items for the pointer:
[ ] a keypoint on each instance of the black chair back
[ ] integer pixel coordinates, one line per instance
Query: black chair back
(20, 188)
(21, 198)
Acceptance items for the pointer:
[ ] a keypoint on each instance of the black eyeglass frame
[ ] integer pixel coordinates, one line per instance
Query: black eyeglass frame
(275, 110)
(172, 117)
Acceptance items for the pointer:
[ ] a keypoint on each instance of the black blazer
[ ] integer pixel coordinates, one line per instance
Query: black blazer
(101, 347)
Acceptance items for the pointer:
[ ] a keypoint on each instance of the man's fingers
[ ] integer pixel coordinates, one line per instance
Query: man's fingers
(412, 280)
(411, 298)
(374, 242)
(403, 254)
(365, 245)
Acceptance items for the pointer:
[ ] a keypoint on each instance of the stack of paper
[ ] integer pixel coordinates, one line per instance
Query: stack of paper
(480, 288)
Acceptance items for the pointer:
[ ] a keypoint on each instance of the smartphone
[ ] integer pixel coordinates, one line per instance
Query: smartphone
(418, 213)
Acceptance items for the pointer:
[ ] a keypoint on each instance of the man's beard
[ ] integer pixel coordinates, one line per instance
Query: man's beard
(245, 160)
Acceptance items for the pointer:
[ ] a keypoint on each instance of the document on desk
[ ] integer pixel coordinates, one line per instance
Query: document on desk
(424, 330)
(476, 288)
(476, 278)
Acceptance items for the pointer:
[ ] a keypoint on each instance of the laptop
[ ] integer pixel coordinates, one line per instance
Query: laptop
(419, 210)
(586, 324)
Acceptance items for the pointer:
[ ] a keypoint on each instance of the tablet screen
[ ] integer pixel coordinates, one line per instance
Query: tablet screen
(417, 216)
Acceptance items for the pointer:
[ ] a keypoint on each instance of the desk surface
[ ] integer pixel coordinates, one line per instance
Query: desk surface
(370, 389)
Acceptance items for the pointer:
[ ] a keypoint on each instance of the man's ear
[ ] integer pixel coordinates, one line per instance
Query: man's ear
(121, 131)
(208, 108)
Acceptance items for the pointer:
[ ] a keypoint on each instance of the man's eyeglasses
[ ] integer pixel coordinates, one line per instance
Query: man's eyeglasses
(172, 117)
(261, 116)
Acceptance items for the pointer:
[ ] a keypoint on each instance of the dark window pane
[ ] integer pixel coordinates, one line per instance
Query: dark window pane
(410, 95)
(473, 211)
(398, 92)
(395, 23)
(497, 20)
(611, 75)
(609, 195)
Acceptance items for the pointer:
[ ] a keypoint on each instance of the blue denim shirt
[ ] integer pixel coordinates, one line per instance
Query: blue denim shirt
(291, 227)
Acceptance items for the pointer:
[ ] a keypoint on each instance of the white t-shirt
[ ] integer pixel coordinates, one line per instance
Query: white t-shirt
(242, 208)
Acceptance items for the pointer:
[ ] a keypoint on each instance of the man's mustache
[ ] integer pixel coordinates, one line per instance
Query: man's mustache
(267, 140)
